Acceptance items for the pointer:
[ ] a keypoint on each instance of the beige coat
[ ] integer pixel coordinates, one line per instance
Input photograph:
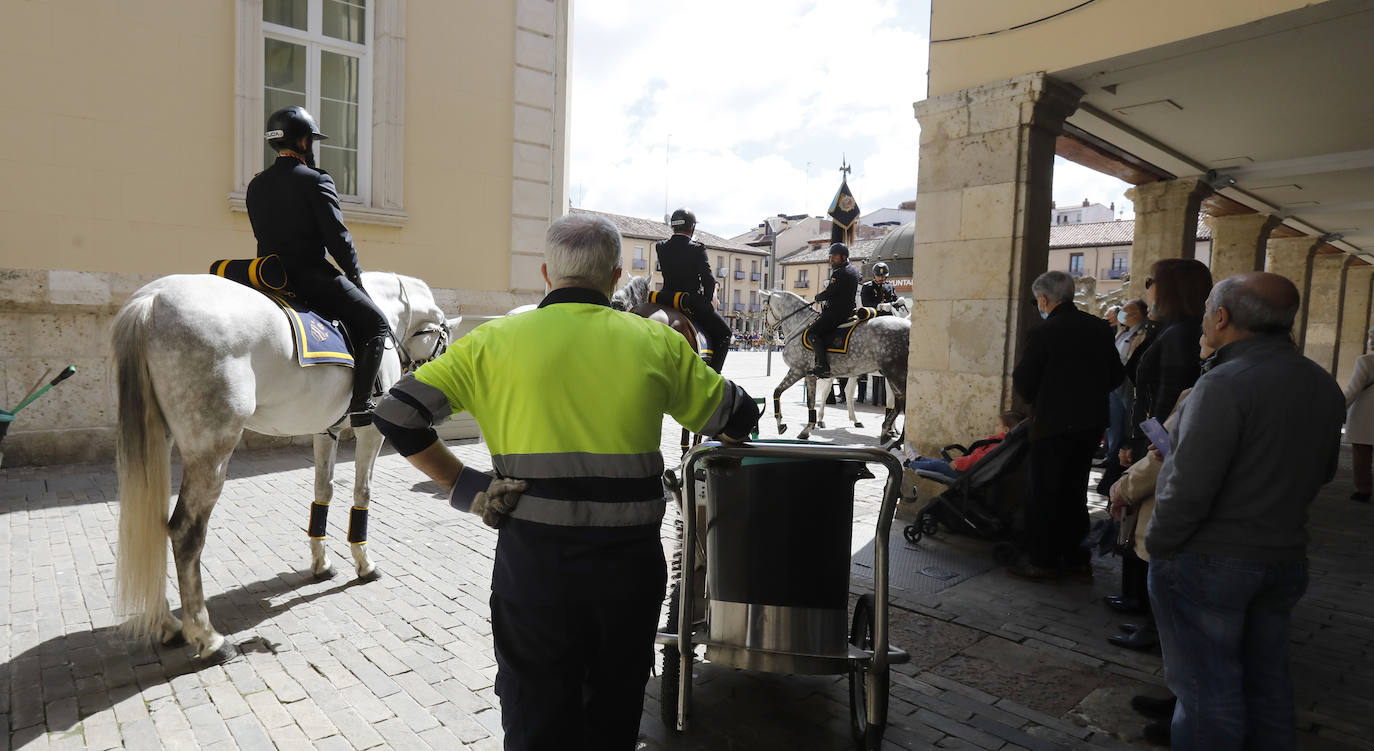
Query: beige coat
(1359, 398)
(1137, 485)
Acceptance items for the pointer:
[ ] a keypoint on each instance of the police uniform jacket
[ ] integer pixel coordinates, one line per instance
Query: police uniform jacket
(570, 398)
(875, 292)
(839, 294)
(686, 268)
(295, 213)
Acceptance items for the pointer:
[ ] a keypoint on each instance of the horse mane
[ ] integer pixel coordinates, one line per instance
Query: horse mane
(631, 294)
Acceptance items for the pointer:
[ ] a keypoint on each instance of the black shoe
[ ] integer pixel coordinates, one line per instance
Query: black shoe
(1157, 733)
(1151, 706)
(1124, 604)
(1024, 569)
(1128, 628)
(1143, 640)
(820, 372)
(1361, 497)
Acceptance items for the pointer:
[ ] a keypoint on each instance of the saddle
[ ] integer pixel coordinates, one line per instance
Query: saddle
(318, 341)
(671, 308)
(838, 340)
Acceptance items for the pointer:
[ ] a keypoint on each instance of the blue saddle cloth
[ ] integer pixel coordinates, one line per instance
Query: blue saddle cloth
(318, 341)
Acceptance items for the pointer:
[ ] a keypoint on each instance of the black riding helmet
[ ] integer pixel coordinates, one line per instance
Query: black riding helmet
(880, 269)
(287, 125)
(682, 219)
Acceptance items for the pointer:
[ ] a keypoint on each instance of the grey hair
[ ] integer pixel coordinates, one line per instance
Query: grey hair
(582, 249)
(1139, 305)
(1056, 286)
(1249, 311)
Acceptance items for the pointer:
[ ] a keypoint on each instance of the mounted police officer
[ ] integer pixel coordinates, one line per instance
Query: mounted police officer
(838, 297)
(570, 398)
(878, 292)
(686, 268)
(295, 213)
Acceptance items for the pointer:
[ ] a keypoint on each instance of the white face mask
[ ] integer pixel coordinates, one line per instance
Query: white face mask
(1121, 316)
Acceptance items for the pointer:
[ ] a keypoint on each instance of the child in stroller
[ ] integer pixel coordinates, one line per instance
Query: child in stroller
(969, 505)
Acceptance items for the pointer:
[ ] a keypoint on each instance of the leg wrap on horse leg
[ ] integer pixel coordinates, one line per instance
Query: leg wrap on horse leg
(357, 525)
(811, 415)
(319, 513)
(777, 406)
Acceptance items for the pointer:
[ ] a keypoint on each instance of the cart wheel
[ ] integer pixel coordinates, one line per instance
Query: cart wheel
(1005, 553)
(672, 667)
(866, 736)
(929, 524)
(912, 533)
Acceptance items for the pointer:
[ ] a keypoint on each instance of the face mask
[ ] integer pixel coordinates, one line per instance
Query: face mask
(1043, 314)
(1121, 316)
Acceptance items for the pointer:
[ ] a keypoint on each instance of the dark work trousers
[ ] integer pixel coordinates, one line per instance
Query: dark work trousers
(1056, 512)
(1362, 456)
(571, 677)
(1135, 575)
(336, 298)
(715, 328)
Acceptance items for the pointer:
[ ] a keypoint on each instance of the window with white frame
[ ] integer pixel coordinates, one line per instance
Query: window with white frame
(316, 55)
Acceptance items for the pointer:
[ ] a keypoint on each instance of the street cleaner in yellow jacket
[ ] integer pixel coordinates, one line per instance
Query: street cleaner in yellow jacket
(570, 398)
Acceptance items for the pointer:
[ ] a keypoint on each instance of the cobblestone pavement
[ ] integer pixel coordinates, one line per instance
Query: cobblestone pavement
(405, 662)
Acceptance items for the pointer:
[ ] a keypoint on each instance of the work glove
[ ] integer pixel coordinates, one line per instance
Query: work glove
(499, 499)
(886, 307)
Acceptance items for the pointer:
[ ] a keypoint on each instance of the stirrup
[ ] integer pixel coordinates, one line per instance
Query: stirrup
(363, 417)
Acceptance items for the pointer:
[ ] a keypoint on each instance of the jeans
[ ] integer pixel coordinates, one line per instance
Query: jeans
(1223, 625)
(935, 465)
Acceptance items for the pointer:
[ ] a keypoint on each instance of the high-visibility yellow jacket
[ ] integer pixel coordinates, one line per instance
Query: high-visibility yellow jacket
(570, 398)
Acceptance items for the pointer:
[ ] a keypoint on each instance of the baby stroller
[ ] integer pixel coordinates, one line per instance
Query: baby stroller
(970, 505)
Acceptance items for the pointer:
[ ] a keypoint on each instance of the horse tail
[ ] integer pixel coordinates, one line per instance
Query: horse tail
(143, 464)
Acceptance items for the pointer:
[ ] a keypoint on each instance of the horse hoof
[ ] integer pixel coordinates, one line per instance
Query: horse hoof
(821, 424)
(858, 425)
(326, 574)
(782, 429)
(175, 640)
(370, 576)
(226, 652)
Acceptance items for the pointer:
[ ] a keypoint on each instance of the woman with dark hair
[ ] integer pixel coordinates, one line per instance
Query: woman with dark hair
(1177, 290)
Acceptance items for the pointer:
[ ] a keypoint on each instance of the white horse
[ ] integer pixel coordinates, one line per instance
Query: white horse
(199, 359)
(879, 345)
(901, 309)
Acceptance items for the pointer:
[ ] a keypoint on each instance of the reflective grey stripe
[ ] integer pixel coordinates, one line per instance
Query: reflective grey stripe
(578, 464)
(532, 508)
(399, 413)
(730, 395)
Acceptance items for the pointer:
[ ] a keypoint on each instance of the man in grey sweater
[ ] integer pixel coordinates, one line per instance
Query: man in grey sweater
(1228, 542)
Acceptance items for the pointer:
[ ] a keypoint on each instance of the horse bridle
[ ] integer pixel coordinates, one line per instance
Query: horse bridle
(409, 363)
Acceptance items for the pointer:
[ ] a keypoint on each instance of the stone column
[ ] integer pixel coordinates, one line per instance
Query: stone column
(1324, 305)
(1292, 257)
(984, 190)
(1238, 242)
(1165, 225)
(1354, 315)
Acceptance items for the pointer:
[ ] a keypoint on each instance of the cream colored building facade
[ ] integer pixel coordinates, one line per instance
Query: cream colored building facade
(1206, 108)
(740, 270)
(130, 131)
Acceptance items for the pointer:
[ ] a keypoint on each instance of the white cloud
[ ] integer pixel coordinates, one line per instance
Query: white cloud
(1074, 182)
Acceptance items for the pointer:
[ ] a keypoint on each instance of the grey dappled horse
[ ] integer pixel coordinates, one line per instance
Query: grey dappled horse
(199, 359)
(877, 346)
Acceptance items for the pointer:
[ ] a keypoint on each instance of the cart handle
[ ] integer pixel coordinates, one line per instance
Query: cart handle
(66, 373)
(765, 450)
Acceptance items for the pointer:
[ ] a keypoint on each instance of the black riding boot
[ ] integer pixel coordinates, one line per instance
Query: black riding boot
(366, 361)
(822, 362)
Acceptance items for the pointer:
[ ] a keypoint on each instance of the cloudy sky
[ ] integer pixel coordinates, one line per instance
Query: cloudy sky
(743, 109)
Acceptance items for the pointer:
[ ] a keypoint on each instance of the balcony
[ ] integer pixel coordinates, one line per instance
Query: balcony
(739, 275)
(754, 276)
(755, 307)
(801, 284)
(739, 307)
(1076, 273)
(640, 263)
(1114, 273)
(720, 272)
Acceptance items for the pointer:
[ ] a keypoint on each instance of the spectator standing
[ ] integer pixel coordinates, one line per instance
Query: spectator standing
(1359, 422)
(1169, 366)
(1130, 335)
(1068, 367)
(1259, 435)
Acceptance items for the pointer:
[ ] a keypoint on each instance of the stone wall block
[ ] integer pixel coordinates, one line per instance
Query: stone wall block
(533, 162)
(984, 159)
(22, 287)
(944, 126)
(987, 117)
(968, 403)
(988, 211)
(534, 50)
(525, 273)
(971, 350)
(938, 216)
(527, 235)
(536, 15)
(534, 87)
(930, 332)
(529, 198)
(78, 287)
(533, 125)
(966, 269)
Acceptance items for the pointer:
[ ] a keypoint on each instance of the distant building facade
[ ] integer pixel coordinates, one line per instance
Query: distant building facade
(1102, 250)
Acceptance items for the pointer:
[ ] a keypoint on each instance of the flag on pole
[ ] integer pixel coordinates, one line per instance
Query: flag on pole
(843, 211)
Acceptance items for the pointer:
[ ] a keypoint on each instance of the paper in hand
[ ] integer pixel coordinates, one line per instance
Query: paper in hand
(1157, 435)
(470, 482)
